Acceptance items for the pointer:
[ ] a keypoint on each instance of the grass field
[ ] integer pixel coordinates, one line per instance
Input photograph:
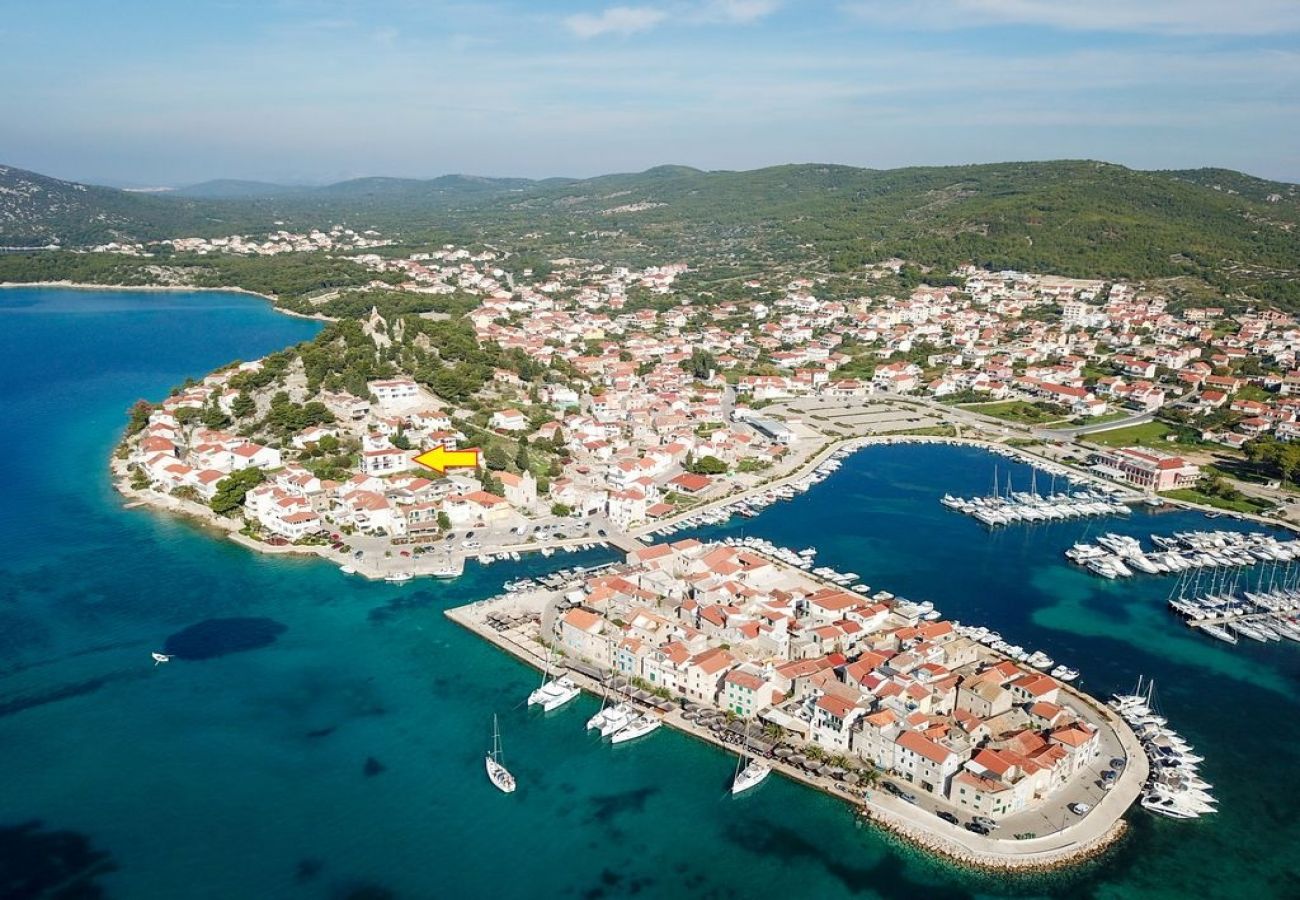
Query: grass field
(1243, 505)
(1150, 434)
(1021, 411)
(1101, 419)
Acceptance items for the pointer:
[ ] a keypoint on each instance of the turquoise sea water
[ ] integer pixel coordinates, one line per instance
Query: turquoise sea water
(342, 755)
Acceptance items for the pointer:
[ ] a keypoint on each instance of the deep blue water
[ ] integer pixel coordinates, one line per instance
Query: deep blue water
(324, 734)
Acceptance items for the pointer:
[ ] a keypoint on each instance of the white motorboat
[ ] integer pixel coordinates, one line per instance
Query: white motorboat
(399, 577)
(497, 773)
(638, 727)
(348, 570)
(1164, 805)
(160, 658)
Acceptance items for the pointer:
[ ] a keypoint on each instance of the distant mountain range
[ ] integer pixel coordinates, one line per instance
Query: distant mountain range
(1072, 217)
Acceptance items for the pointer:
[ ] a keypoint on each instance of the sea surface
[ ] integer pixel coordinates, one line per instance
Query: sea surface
(320, 736)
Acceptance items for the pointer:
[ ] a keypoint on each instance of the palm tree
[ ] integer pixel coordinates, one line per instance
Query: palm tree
(871, 776)
(773, 731)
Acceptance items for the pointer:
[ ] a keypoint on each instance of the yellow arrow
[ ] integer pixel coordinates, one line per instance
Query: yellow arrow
(440, 459)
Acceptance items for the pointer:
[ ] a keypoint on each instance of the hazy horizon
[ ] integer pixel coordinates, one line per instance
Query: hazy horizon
(142, 188)
(319, 91)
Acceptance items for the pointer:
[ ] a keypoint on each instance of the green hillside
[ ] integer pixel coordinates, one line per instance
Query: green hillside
(1082, 218)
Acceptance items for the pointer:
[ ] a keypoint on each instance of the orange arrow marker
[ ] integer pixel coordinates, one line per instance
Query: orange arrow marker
(440, 459)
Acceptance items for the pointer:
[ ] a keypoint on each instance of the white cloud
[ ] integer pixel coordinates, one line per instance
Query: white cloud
(738, 11)
(622, 20)
(1179, 17)
(625, 20)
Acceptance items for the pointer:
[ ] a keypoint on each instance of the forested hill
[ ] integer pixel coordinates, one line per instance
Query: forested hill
(1069, 217)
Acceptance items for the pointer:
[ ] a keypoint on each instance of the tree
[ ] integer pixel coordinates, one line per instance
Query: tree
(214, 417)
(244, 405)
(231, 489)
(521, 458)
(491, 483)
(400, 440)
(495, 457)
(700, 364)
(708, 465)
(140, 412)
(560, 509)
(444, 521)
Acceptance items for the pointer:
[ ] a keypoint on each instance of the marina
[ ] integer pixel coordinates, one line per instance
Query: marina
(1121, 556)
(1227, 607)
(755, 502)
(1008, 506)
(1174, 788)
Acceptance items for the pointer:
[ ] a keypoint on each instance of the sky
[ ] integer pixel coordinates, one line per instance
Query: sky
(142, 93)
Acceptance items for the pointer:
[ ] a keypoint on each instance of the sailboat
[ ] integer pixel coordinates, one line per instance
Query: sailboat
(751, 775)
(496, 771)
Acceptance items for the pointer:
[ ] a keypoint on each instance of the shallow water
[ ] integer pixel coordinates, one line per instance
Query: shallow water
(345, 752)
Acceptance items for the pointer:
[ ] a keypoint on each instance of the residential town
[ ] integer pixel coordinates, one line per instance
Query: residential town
(332, 239)
(642, 404)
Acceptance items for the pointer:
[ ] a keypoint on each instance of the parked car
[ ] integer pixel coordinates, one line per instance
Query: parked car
(948, 817)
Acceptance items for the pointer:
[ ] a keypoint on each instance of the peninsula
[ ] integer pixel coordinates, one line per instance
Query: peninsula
(875, 699)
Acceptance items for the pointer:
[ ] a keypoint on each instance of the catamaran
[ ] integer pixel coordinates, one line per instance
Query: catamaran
(496, 771)
(617, 718)
(553, 693)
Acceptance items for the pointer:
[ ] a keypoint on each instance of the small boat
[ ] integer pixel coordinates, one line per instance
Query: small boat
(496, 770)
(159, 658)
(617, 718)
(348, 570)
(751, 775)
(554, 693)
(399, 577)
(602, 715)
